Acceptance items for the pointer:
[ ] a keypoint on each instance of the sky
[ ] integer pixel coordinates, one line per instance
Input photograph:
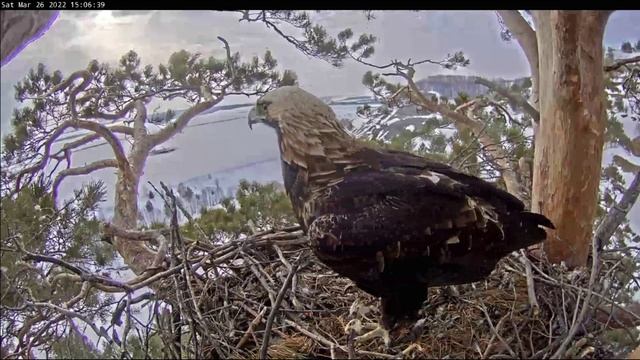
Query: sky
(80, 36)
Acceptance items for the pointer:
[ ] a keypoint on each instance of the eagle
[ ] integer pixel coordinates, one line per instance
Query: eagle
(394, 223)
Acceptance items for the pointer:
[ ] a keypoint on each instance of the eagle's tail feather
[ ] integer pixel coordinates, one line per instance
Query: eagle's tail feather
(539, 219)
(526, 229)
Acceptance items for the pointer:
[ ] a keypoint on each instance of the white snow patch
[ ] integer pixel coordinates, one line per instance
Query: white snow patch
(446, 132)
(419, 143)
(153, 128)
(392, 121)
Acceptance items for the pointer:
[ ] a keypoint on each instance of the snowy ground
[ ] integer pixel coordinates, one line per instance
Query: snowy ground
(219, 145)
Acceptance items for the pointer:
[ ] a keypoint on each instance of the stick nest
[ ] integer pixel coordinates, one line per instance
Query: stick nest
(496, 318)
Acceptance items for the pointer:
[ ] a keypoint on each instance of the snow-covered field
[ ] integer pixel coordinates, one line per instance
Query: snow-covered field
(219, 146)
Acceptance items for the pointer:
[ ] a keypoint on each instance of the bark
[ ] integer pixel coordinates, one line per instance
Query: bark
(570, 139)
(20, 27)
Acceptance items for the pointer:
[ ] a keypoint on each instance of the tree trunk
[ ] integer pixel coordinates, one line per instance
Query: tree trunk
(570, 140)
(19, 27)
(135, 254)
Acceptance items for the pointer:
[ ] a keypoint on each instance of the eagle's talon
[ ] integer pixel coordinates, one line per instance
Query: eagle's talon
(355, 325)
(412, 347)
(379, 331)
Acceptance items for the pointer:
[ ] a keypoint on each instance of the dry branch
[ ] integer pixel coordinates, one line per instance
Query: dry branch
(622, 62)
(82, 170)
(517, 99)
(460, 120)
(616, 215)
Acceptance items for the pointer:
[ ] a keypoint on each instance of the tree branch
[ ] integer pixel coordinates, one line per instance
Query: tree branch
(100, 131)
(120, 129)
(174, 127)
(620, 63)
(102, 282)
(274, 310)
(82, 170)
(232, 68)
(108, 135)
(71, 314)
(528, 42)
(616, 215)
(459, 119)
(519, 100)
(525, 36)
(620, 318)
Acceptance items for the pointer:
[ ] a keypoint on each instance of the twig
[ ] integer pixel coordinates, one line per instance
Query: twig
(252, 325)
(274, 311)
(585, 305)
(531, 292)
(495, 331)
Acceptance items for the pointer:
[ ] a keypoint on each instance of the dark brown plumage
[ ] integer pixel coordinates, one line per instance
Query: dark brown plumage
(392, 222)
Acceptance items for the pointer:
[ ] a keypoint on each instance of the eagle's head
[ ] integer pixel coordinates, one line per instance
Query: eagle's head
(309, 133)
(290, 106)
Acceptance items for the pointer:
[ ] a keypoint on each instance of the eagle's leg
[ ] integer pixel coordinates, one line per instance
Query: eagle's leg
(379, 331)
(356, 326)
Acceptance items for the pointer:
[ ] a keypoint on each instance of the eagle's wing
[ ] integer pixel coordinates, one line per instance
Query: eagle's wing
(453, 227)
(406, 163)
(375, 207)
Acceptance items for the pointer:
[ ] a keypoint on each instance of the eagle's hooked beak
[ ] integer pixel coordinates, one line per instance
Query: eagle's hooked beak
(254, 118)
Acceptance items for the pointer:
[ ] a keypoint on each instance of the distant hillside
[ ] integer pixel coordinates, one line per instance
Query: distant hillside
(443, 85)
(450, 85)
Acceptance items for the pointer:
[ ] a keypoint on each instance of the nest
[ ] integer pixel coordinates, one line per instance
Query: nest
(269, 295)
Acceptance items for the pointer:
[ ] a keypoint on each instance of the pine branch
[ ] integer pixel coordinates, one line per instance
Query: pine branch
(519, 100)
(82, 170)
(496, 151)
(622, 62)
(616, 215)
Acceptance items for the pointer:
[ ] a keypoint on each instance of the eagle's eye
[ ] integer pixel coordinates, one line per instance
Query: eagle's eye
(261, 108)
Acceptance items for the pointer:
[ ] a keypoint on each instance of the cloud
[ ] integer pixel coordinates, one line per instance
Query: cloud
(79, 36)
